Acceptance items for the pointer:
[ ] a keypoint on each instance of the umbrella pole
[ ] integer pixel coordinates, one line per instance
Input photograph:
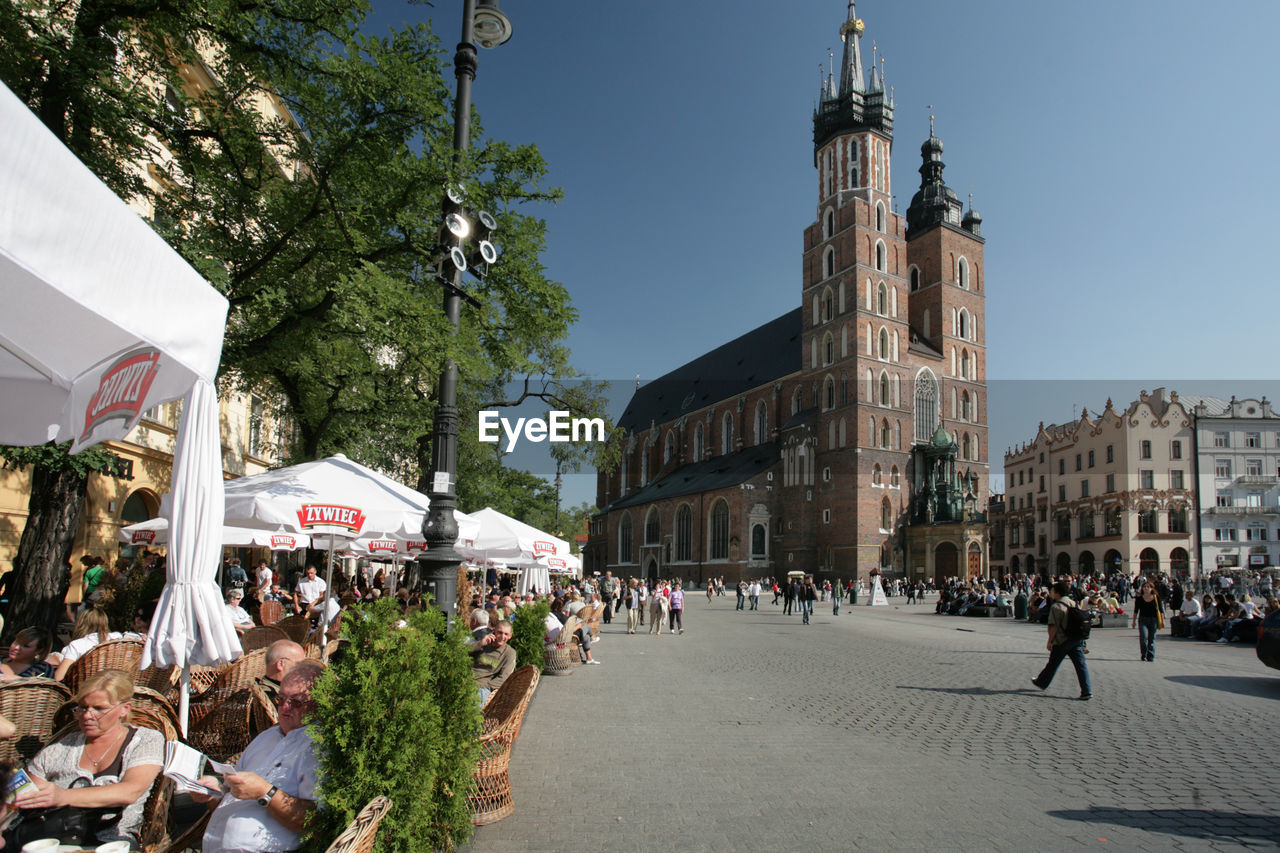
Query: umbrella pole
(184, 698)
(324, 605)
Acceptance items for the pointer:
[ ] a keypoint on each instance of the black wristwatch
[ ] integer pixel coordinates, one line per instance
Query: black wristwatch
(265, 799)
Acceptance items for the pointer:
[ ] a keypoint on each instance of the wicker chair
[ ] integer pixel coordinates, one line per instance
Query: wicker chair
(261, 637)
(562, 654)
(31, 704)
(163, 680)
(192, 838)
(270, 612)
(229, 722)
(295, 627)
(490, 797)
(597, 613)
(122, 654)
(150, 709)
(240, 673)
(362, 832)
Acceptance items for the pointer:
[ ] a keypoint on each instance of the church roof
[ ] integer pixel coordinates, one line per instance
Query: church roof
(708, 475)
(762, 355)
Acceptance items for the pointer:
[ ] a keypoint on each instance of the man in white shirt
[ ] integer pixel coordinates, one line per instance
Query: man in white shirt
(264, 577)
(308, 591)
(753, 592)
(268, 798)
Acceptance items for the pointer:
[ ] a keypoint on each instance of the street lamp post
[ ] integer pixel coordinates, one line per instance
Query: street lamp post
(483, 23)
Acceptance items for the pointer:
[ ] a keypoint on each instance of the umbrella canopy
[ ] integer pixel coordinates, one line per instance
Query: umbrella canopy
(508, 538)
(102, 319)
(156, 532)
(328, 497)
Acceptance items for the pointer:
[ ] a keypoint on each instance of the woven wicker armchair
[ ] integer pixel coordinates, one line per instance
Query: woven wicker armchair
(562, 654)
(122, 654)
(163, 680)
(270, 612)
(229, 722)
(296, 627)
(240, 673)
(31, 704)
(490, 797)
(261, 637)
(362, 832)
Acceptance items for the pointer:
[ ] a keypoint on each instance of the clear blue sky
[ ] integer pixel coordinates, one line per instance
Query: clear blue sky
(1119, 152)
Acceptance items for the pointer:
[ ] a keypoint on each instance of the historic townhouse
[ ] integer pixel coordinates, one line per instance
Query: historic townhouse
(849, 433)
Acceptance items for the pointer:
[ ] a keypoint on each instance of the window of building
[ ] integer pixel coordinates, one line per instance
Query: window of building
(1063, 524)
(882, 257)
(828, 305)
(669, 448)
(885, 434)
(828, 349)
(875, 475)
(1255, 533)
(726, 434)
(1147, 521)
(698, 445)
(684, 533)
(1175, 480)
(624, 540)
(829, 262)
(1221, 439)
(895, 478)
(1253, 467)
(915, 281)
(1079, 461)
(886, 515)
(759, 542)
(1062, 467)
(1253, 439)
(828, 393)
(828, 224)
(962, 273)
(1062, 492)
(1175, 450)
(885, 398)
(1111, 482)
(1084, 488)
(1111, 521)
(882, 300)
(1222, 499)
(880, 216)
(1109, 459)
(1146, 479)
(652, 527)
(1086, 525)
(1042, 482)
(762, 423)
(1224, 534)
(1222, 469)
(926, 405)
(826, 516)
(884, 345)
(1178, 520)
(257, 426)
(1144, 449)
(719, 539)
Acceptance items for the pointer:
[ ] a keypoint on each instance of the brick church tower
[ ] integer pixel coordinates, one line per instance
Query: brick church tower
(800, 445)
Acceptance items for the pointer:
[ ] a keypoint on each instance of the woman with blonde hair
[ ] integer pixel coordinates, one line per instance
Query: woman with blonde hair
(90, 629)
(92, 785)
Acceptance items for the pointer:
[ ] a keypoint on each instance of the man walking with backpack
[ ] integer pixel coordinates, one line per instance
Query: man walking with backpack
(1068, 630)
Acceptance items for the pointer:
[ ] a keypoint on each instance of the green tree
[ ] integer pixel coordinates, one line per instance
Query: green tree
(59, 486)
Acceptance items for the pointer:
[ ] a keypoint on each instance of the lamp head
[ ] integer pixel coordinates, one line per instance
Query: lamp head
(492, 28)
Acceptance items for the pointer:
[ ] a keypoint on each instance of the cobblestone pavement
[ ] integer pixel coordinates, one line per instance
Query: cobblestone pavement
(893, 729)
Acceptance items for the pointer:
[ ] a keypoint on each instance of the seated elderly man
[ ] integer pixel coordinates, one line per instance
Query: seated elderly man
(479, 625)
(281, 657)
(268, 798)
(492, 659)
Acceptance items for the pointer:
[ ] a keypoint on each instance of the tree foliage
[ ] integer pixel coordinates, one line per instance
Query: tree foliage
(397, 716)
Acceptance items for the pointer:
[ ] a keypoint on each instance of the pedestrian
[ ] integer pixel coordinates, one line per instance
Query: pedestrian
(1147, 618)
(837, 593)
(742, 594)
(632, 601)
(753, 592)
(644, 599)
(808, 596)
(711, 591)
(1064, 643)
(911, 593)
(658, 606)
(608, 590)
(777, 590)
(677, 609)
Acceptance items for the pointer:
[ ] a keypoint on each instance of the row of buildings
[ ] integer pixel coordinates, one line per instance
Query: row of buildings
(1168, 485)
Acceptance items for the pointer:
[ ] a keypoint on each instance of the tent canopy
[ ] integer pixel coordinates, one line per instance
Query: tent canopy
(102, 319)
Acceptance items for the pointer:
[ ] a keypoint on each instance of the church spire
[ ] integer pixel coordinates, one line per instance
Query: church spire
(851, 64)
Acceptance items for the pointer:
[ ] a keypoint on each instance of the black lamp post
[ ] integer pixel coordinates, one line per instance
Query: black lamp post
(484, 24)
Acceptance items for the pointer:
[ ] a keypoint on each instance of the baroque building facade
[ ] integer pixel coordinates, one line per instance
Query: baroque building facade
(804, 445)
(1106, 494)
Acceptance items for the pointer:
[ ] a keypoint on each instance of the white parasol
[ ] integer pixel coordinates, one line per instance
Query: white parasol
(103, 321)
(156, 532)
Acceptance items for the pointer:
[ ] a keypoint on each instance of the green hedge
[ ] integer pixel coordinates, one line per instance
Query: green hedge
(397, 715)
(529, 632)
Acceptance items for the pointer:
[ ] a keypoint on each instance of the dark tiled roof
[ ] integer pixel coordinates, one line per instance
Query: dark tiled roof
(800, 417)
(760, 356)
(705, 476)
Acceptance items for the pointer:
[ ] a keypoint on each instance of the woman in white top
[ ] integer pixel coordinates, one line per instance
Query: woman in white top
(239, 616)
(91, 628)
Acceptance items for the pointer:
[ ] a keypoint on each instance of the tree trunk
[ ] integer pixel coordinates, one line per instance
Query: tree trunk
(39, 584)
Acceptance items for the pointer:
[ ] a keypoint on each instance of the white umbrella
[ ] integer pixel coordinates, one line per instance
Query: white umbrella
(103, 321)
(155, 531)
(511, 539)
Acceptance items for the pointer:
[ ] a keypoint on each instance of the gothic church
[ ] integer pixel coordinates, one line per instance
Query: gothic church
(847, 435)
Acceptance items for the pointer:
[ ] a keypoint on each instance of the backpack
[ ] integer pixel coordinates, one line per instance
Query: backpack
(1078, 624)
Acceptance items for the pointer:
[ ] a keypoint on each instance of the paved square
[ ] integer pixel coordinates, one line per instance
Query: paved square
(893, 729)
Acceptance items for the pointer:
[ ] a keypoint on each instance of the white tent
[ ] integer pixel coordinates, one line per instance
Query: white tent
(103, 321)
(507, 538)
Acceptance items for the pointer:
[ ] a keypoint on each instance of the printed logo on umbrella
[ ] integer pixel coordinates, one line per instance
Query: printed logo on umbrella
(381, 546)
(540, 547)
(416, 545)
(147, 536)
(557, 563)
(283, 540)
(123, 388)
(330, 515)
